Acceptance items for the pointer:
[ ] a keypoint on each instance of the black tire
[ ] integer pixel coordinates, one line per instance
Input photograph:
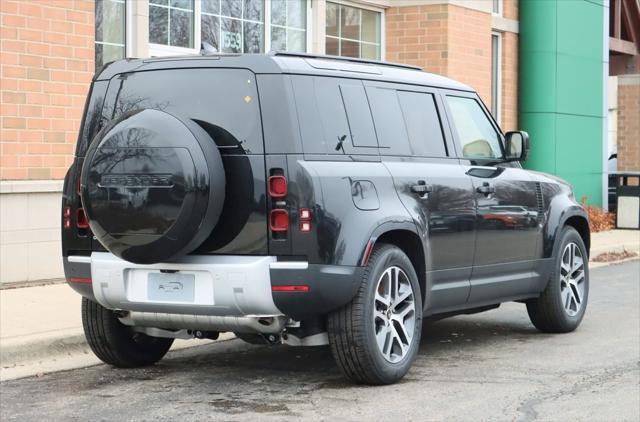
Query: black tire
(547, 312)
(115, 343)
(351, 329)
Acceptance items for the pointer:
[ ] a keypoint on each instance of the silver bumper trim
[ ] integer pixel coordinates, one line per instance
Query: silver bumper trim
(225, 286)
(79, 259)
(243, 324)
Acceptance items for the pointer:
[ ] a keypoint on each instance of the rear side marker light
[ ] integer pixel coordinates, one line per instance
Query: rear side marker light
(81, 219)
(66, 217)
(305, 214)
(82, 280)
(277, 186)
(305, 220)
(302, 288)
(279, 220)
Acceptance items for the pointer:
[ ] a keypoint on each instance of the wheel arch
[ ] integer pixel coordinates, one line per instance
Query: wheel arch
(407, 239)
(581, 224)
(562, 213)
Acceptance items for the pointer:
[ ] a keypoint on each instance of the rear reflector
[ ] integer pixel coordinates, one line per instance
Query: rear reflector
(66, 217)
(82, 280)
(367, 252)
(277, 186)
(305, 220)
(279, 220)
(302, 288)
(81, 219)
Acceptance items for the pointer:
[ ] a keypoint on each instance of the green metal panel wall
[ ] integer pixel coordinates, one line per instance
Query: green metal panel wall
(561, 90)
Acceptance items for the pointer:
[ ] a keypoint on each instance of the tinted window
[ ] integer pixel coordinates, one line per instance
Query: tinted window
(359, 116)
(423, 124)
(389, 122)
(475, 133)
(322, 105)
(224, 101)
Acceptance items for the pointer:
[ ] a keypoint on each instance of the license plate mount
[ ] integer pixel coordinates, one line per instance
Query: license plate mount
(171, 287)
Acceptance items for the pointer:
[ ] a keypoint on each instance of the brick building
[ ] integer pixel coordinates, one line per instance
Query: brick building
(51, 48)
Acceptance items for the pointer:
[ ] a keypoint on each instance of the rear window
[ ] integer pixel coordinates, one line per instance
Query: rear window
(223, 101)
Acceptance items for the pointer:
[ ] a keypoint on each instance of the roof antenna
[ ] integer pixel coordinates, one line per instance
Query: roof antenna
(206, 48)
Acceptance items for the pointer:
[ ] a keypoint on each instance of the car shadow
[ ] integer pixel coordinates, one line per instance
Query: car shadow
(244, 363)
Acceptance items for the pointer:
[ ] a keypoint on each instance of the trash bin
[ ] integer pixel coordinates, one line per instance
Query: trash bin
(628, 200)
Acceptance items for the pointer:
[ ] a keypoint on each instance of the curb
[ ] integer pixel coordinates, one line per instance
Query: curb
(68, 349)
(39, 346)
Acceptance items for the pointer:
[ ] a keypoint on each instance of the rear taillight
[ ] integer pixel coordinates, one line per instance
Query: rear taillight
(279, 216)
(66, 217)
(277, 186)
(279, 220)
(81, 219)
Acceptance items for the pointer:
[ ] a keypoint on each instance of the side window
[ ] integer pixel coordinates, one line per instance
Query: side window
(359, 116)
(476, 135)
(389, 122)
(423, 123)
(330, 109)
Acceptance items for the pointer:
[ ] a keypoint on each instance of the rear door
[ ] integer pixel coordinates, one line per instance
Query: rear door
(507, 201)
(431, 184)
(224, 102)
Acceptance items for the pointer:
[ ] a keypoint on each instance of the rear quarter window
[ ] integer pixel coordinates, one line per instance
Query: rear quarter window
(330, 109)
(224, 101)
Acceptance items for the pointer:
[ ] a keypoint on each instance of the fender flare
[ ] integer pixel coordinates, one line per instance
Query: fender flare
(553, 229)
(379, 230)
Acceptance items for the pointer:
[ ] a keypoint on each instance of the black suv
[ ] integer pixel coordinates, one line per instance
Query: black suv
(306, 200)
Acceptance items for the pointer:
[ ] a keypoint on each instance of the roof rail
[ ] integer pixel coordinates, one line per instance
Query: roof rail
(344, 59)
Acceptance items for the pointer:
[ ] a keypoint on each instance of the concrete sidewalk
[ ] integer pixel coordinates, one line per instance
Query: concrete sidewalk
(41, 327)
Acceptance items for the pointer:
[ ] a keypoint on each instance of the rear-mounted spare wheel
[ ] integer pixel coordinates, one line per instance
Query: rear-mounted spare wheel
(152, 186)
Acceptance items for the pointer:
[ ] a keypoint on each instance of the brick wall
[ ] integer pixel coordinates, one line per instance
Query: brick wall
(510, 9)
(470, 49)
(456, 42)
(418, 35)
(629, 123)
(46, 65)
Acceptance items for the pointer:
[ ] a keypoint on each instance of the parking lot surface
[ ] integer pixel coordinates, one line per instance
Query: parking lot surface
(490, 366)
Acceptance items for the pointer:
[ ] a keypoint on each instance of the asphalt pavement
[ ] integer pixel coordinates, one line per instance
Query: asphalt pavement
(490, 366)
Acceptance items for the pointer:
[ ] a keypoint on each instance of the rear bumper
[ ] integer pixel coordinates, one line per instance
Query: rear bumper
(234, 286)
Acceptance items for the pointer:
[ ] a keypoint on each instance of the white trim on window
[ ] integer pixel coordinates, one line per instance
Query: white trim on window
(167, 50)
(381, 44)
(500, 7)
(496, 103)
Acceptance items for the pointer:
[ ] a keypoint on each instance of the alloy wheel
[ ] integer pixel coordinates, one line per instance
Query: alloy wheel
(572, 279)
(394, 314)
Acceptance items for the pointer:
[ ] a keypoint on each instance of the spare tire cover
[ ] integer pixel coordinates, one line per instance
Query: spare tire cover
(152, 186)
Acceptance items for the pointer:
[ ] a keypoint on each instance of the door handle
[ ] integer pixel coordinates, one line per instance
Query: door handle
(486, 189)
(421, 188)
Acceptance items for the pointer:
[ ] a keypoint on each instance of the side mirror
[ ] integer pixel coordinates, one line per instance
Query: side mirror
(516, 146)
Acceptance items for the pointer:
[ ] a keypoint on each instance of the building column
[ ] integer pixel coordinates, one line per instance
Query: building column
(318, 26)
(138, 29)
(561, 91)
